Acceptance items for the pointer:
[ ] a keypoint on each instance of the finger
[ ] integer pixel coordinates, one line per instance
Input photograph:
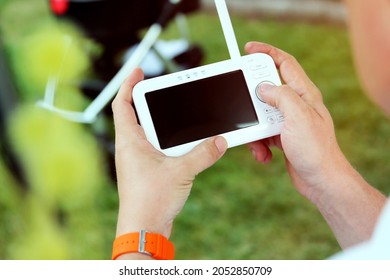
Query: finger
(290, 70)
(261, 152)
(204, 155)
(125, 91)
(121, 106)
(285, 99)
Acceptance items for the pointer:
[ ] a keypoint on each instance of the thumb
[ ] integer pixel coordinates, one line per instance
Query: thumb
(204, 155)
(282, 97)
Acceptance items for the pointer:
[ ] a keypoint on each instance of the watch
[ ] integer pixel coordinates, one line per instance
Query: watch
(153, 244)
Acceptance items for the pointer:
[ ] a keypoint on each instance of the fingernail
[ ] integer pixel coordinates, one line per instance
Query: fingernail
(248, 44)
(254, 154)
(221, 144)
(266, 86)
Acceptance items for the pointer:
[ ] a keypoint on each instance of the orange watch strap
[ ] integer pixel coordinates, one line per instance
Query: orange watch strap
(153, 244)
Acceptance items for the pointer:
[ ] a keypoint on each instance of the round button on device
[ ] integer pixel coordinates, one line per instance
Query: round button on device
(258, 89)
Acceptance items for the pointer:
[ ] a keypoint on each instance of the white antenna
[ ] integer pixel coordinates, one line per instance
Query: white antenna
(227, 28)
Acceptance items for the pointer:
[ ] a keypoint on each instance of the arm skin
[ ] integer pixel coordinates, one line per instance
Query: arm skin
(316, 165)
(152, 188)
(322, 174)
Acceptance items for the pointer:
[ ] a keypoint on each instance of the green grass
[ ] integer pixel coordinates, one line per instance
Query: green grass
(239, 209)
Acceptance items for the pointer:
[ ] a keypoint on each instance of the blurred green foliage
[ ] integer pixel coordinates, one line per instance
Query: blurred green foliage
(238, 209)
(59, 213)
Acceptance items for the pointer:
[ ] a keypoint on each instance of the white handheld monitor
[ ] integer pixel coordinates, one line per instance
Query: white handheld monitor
(179, 110)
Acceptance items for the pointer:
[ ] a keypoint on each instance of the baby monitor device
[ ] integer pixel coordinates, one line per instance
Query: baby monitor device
(180, 110)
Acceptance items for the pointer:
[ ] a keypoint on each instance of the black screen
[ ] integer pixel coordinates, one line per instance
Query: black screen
(201, 109)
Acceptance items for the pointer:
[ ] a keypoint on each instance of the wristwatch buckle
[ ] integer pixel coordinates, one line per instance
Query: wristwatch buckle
(142, 242)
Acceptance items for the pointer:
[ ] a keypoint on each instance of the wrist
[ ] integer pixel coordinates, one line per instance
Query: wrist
(336, 182)
(325, 178)
(135, 219)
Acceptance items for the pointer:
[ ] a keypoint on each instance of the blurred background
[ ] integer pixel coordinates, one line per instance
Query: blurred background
(58, 197)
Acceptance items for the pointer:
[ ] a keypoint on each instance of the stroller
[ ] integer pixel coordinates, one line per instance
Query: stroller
(115, 25)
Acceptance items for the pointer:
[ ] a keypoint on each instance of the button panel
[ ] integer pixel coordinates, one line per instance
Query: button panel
(260, 72)
(257, 90)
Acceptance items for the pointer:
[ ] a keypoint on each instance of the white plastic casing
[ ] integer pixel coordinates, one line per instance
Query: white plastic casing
(257, 68)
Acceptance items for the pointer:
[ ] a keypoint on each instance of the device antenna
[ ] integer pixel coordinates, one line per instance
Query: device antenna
(227, 28)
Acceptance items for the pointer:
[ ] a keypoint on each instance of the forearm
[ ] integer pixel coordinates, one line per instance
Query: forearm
(134, 219)
(350, 206)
